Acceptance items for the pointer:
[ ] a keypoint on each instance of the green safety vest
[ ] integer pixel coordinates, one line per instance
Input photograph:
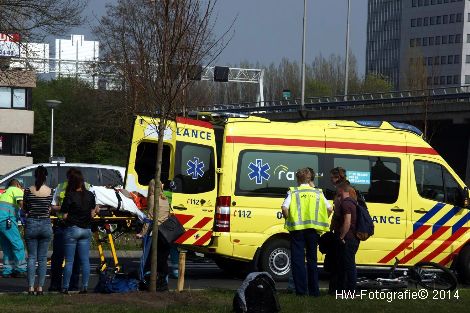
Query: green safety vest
(307, 210)
(63, 187)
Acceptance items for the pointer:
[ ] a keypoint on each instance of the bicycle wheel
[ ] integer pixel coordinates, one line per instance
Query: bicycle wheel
(434, 276)
(372, 284)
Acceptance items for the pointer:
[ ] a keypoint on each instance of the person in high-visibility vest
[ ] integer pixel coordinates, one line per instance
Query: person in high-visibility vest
(14, 260)
(57, 257)
(306, 211)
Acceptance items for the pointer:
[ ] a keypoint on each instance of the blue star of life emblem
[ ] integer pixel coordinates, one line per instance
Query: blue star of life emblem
(259, 171)
(195, 168)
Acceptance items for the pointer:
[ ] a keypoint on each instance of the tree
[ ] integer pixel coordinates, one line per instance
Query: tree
(376, 83)
(89, 125)
(155, 47)
(34, 19)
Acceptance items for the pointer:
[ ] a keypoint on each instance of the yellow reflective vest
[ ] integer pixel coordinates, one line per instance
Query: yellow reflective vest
(62, 187)
(307, 210)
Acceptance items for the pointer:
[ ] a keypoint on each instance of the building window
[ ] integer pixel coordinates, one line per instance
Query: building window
(445, 19)
(425, 41)
(468, 38)
(449, 80)
(432, 20)
(433, 2)
(467, 59)
(443, 59)
(419, 22)
(442, 80)
(426, 2)
(438, 19)
(424, 61)
(430, 61)
(12, 98)
(450, 59)
(412, 44)
(438, 40)
(458, 17)
(458, 38)
(413, 3)
(467, 79)
(420, 3)
(426, 21)
(436, 80)
(468, 17)
(413, 22)
(418, 42)
(452, 18)
(431, 41)
(436, 60)
(456, 80)
(456, 59)
(451, 39)
(444, 40)
(439, 1)
(13, 144)
(411, 61)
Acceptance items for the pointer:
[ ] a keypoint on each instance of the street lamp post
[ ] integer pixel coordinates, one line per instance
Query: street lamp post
(346, 62)
(52, 104)
(302, 95)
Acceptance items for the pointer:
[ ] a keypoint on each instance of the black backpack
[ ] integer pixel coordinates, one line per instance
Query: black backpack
(364, 222)
(257, 294)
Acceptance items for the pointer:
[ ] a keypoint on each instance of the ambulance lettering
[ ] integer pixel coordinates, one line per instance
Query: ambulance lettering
(282, 171)
(386, 219)
(193, 133)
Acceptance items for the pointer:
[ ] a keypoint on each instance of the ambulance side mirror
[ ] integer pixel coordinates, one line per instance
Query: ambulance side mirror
(466, 198)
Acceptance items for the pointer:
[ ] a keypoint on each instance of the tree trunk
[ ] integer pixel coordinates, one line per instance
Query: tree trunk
(156, 207)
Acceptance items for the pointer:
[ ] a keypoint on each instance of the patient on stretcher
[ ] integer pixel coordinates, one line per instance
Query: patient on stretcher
(119, 199)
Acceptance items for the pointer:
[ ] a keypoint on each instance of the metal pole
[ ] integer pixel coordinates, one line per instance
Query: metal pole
(302, 97)
(346, 66)
(52, 133)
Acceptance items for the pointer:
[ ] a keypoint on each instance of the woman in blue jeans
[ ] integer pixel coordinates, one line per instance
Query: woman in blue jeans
(38, 230)
(78, 209)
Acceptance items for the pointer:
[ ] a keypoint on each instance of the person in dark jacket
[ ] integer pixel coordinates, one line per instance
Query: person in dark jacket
(343, 225)
(79, 207)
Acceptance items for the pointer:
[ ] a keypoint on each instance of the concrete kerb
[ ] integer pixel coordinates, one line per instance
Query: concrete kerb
(107, 253)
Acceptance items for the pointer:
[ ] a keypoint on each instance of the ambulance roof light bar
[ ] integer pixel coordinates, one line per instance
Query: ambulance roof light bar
(216, 117)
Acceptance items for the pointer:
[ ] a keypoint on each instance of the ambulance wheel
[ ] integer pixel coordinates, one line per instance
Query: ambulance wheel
(275, 259)
(463, 265)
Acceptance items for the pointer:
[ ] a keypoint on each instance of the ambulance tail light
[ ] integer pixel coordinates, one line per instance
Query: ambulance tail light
(222, 214)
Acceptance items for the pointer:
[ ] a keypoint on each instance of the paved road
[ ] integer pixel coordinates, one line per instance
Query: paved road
(200, 274)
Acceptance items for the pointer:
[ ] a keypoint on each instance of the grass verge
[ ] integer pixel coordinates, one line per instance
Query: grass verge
(221, 301)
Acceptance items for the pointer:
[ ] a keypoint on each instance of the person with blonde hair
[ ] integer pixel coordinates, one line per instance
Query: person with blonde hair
(305, 209)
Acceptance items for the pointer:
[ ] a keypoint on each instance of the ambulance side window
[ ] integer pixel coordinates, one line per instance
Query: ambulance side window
(434, 182)
(377, 178)
(194, 168)
(271, 173)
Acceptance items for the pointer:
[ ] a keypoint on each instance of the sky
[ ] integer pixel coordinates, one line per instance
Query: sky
(266, 31)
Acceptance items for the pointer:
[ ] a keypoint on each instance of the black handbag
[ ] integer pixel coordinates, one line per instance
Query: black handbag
(171, 229)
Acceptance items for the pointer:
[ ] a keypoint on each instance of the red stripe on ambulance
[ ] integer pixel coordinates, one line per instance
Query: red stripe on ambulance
(405, 244)
(329, 144)
(425, 244)
(445, 245)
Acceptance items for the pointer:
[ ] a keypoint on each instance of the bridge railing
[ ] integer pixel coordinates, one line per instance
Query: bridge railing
(380, 99)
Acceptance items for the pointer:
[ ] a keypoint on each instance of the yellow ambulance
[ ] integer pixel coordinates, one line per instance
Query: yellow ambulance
(231, 173)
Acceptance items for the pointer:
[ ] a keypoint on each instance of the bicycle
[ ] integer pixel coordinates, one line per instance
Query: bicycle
(429, 275)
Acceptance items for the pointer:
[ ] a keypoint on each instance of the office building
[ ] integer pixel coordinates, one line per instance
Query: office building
(16, 118)
(419, 40)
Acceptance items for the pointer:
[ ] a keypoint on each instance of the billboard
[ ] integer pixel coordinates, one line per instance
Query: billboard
(9, 45)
